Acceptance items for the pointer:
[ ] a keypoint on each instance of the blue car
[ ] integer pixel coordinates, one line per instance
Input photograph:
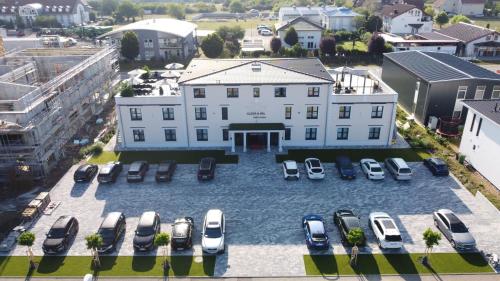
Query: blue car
(314, 230)
(437, 166)
(345, 167)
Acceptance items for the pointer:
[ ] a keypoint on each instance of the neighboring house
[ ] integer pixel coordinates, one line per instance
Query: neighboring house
(416, 43)
(309, 33)
(67, 12)
(167, 39)
(329, 17)
(480, 143)
(434, 84)
(461, 7)
(265, 103)
(475, 41)
(405, 19)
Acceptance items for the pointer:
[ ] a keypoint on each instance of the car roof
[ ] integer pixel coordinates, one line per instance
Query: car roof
(206, 162)
(344, 212)
(437, 161)
(111, 219)
(452, 218)
(137, 164)
(84, 167)
(400, 162)
(164, 166)
(62, 222)
(214, 215)
(107, 168)
(147, 218)
(316, 227)
(314, 161)
(290, 164)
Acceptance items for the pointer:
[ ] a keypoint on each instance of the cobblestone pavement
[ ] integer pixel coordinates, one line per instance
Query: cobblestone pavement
(263, 211)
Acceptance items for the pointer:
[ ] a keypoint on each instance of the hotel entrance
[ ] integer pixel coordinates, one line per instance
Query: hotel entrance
(258, 136)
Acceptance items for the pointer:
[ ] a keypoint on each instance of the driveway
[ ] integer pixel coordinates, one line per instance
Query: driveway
(264, 212)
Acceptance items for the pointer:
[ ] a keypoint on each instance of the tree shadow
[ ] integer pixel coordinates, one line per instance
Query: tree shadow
(401, 263)
(181, 265)
(79, 189)
(326, 265)
(473, 258)
(209, 265)
(143, 263)
(366, 265)
(107, 263)
(50, 264)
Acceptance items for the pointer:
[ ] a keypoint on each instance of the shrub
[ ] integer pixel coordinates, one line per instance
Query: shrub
(92, 149)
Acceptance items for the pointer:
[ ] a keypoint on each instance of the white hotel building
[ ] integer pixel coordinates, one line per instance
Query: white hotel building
(239, 104)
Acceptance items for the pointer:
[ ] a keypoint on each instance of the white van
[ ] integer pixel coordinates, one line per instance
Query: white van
(398, 168)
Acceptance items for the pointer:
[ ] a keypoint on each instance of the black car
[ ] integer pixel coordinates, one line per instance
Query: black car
(137, 171)
(60, 235)
(206, 169)
(147, 228)
(165, 171)
(110, 172)
(345, 167)
(437, 166)
(111, 230)
(85, 173)
(346, 220)
(182, 233)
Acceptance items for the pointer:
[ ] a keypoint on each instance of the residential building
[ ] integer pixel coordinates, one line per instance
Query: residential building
(308, 32)
(460, 7)
(329, 17)
(434, 84)
(67, 12)
(475, 41)
(48, 95)
(405, 19)
(480, 143)
(259, 103)
(416, 43)
(160, 39)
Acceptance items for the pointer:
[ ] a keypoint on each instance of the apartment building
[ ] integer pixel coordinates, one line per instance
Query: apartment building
(239, 104)
(405, 19)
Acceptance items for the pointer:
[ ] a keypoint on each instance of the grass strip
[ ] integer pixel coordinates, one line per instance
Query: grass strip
(181, 156)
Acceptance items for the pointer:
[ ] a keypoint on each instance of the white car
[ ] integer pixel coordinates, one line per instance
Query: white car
(314, 169)
(266, 32)
(372, 169)
(386, 231)
(290, 170)
(214, 228)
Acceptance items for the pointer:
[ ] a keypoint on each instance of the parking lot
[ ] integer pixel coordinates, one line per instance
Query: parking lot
(263, 211)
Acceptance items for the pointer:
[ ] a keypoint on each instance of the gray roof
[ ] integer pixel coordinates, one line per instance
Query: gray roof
(465, 32)
(309, 24)
(434, 36)
(486, 108)
(431, 66)
(171, 26)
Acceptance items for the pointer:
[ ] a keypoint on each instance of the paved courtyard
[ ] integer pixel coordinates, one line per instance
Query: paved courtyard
(263, 212)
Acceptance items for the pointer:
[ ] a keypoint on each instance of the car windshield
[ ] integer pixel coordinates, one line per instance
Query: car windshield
(213, 232)
(314, 163)
(459, 228)
(376, 169)
(393, 238)
(56, 233)
(106, 233)
(317, 170)
(291, 171)
(351, 222)
(145, 231)
(318, 237)
(404, 170)
(180, 230)
(133, 172)
(80, 173)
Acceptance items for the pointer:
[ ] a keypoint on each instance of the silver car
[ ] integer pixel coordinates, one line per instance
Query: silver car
(454, 230)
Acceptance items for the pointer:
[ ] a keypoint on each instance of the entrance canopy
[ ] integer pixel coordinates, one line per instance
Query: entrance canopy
(256, 126)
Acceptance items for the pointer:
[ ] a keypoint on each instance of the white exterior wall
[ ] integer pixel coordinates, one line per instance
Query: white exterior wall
(446, 49)
(401, 23)
(304, 38)
(471, 9)
(338, 23)
(481, 150)
(469, 48)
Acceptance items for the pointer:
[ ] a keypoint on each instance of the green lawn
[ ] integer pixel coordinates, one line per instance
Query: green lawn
(17, 266)
(328, 155)
(494, 22)
(445, 263)
(347, 45)
(181, 156)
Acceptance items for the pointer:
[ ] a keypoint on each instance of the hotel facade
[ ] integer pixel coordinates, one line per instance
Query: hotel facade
(241, 104)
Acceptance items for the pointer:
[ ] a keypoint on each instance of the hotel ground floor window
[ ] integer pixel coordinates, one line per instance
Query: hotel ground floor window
(225, 134)
(374, 133)
(138, 134)
(170, 135)
(311, 133)
(342, 133)
(288, 133)
(202, 134)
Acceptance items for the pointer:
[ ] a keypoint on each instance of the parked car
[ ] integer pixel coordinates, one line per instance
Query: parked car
(398, 168)
(314, 230)
(259, 30)
(345, 167)
(346, 221)
(290, 170)
(385, 230)
(214, 229)
(314, 168)
(110, 172)
(182, 233)
(454, 229)
(60, 235)
(137, 171)
(261, 26)
(111, 230)
(146, 231)
(206, 169)
(165, 171)
(266, 32)
(437, 166)
(372, 169)
(85, 173)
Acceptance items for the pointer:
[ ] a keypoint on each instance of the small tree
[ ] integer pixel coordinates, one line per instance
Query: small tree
(373, 23)
(376, 46)
(327, 45)
(20, 22)
(128, 9)
(147, 74)
(163, 240)
(212, 45)
(27, 239)
(275, 44)
(94, 242)
(430, 11)
(291, 37)
(441, 19)
(460, 18)
(130, 45)
(431, 239)
(236, 7)
(126, 90)
(355, 237)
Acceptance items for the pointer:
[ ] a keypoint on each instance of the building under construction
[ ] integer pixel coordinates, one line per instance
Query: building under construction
(46, 96)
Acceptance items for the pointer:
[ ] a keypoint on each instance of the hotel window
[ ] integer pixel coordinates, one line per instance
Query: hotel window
(256, 92)
(462, 90)
(479, 92)
(202, 134)
(168, 113)
(472, 123)
(135, 114)
(374, 133)
(225, 134)
(311, 133)
(224, 113)
(495, 94)
(342, 133)
(313, 92)
(200, 113)
(288, 133)
(344, 112)
(312, 112)
(199, 93)
(479, 126)
(377, 111)
(232, 92)
(280, 92)
(288, 112)
(138, 134)
(170, 135)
